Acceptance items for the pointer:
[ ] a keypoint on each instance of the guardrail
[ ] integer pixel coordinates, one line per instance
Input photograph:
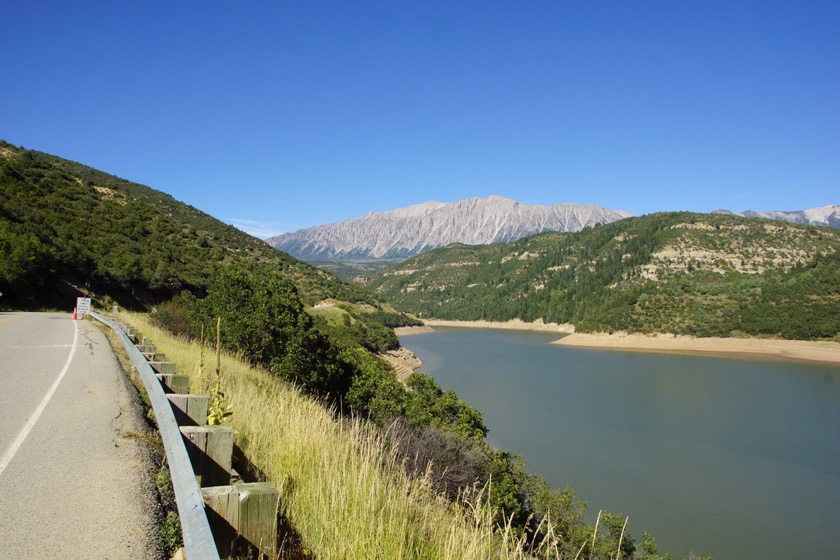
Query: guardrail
(199, 543)
(217, 518)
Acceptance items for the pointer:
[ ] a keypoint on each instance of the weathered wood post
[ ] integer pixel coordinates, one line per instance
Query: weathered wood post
(163, 367)
(210, 449)
(243, 516)
(190, 410)
(146, 349)
(174, 382)
(133, 335)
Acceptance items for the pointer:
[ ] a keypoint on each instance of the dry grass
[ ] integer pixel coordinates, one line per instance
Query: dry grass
(337, 483)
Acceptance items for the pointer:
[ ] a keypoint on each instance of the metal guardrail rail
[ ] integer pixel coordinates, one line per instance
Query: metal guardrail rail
(198, 539)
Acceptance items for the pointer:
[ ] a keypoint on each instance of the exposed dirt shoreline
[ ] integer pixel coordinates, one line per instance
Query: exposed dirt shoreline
(515, 324)
(796, 350)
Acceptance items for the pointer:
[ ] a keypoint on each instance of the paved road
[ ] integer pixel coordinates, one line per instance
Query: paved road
(71, 484)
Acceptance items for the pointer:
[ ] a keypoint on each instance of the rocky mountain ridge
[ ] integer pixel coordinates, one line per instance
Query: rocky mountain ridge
(412, 230)
(822, 216)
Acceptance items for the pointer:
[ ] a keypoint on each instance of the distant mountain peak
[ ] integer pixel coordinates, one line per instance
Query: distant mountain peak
(405, 232)
(821, 216)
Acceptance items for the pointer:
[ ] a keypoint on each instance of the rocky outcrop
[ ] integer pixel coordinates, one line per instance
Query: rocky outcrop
(406, 232)
(402, 361)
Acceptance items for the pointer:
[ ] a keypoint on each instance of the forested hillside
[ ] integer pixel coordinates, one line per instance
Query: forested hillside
(698, 274)
(66, 228)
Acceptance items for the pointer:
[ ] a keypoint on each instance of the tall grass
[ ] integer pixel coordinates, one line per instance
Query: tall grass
(337, 481)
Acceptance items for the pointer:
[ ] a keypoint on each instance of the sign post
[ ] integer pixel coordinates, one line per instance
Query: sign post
(82, 307)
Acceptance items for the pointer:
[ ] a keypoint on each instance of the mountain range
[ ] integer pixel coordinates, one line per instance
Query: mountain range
(410, 231)
(822, 216)
(406, 232)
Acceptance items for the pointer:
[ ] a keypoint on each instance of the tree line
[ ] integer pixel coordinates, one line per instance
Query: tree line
(682, 273)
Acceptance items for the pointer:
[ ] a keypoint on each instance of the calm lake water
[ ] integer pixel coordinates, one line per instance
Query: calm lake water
(732, 458)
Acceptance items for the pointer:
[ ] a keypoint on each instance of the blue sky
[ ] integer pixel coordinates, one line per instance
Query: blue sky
(290, 114)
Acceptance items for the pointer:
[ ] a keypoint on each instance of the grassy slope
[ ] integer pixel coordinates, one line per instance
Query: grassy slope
(335, 478)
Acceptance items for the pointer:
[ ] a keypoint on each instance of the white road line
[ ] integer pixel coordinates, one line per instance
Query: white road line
(13, 449)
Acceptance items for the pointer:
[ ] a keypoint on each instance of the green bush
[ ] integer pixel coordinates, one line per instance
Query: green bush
(262, 318)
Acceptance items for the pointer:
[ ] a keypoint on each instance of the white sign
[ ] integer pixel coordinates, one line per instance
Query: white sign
(82, 307)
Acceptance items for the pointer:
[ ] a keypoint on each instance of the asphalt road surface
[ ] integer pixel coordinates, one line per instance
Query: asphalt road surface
(72, 485)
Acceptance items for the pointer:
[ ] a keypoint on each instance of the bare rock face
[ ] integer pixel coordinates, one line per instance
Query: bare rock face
(406, 232)
(823, 216)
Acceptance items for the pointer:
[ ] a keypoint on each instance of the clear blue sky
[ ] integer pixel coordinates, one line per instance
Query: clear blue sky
(291, 114)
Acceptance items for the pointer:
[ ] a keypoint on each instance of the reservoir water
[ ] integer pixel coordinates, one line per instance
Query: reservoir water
(730, 458)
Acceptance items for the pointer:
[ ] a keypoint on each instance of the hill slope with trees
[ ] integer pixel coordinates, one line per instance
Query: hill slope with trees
(66, 228)
(681, 273)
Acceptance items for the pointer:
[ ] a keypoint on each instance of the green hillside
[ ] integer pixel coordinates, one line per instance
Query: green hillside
(698, 274)
(66, 228)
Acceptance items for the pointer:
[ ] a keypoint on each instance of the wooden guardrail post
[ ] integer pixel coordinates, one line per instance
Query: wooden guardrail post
(243, 516)
(210, 449)
(174, 382)
(163, 367)
(190, 410)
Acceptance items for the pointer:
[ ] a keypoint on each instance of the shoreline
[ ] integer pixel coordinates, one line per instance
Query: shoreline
(789, 350)
(514, 325)
(825, 352)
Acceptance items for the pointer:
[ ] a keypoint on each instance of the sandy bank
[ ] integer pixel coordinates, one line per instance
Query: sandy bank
(405, 331)
(799, 350)
(515, 324)
(828, 352)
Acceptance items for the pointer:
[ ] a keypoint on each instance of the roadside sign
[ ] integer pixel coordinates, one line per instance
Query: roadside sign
(82, 307)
